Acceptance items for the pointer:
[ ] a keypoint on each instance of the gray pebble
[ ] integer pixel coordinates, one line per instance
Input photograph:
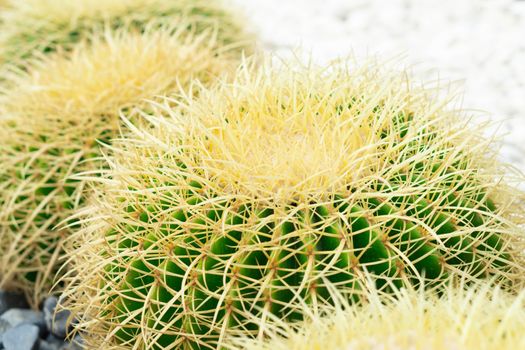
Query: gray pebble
(51, 343)
(12, 300)
(45, 345)
(57, 321)
(52, 339)
(75, 344)
(21, 337)
(4, 326)
(17, 317)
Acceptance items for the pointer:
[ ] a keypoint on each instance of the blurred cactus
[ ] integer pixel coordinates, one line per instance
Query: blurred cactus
(51, 126)
(31, 28)
(471, 318)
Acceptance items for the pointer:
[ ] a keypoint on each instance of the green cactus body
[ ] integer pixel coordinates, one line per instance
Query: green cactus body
(36, 200)
(230, 212)
(229, 276)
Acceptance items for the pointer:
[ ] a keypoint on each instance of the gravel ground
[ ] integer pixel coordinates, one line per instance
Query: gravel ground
(477, 43)
(25, 329)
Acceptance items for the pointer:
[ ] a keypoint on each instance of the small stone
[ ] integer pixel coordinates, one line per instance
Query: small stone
(75, 344)
(4, 327)
(55, 340)
(12, 300)
(51, 343)
(21, 337)
(45, 345)
(57, 321)
(17, 317)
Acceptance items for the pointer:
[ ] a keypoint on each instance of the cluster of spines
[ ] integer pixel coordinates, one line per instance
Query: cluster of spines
(470, 317)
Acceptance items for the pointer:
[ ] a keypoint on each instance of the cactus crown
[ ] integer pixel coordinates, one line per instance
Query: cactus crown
(264, 191)
(115, 71)
(281, 136)
(43, 26)
(52, 122)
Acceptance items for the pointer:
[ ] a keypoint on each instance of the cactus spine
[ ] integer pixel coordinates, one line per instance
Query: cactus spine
(261, 193)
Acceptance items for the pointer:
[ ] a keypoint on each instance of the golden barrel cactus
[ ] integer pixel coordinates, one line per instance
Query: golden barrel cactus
(259, 193)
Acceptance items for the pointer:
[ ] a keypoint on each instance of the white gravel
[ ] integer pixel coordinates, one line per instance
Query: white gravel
(480, 43)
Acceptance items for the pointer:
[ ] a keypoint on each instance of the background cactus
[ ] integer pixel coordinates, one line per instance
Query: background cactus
(52, 123)
(477, 317)
(33, 27)
(259, 194)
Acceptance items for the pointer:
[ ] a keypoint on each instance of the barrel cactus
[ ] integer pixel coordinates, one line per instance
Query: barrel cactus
(34, 27)
(52, 125)
(469, 318)
(257, 194)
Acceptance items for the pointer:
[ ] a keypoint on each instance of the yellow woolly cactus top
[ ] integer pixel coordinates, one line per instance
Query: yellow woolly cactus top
(479, 317)
(281, 132)
(113, 72)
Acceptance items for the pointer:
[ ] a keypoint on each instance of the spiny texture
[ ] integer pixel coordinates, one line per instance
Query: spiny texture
(33, 27)
(260, 193)
(476, 318)
(52, 123)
